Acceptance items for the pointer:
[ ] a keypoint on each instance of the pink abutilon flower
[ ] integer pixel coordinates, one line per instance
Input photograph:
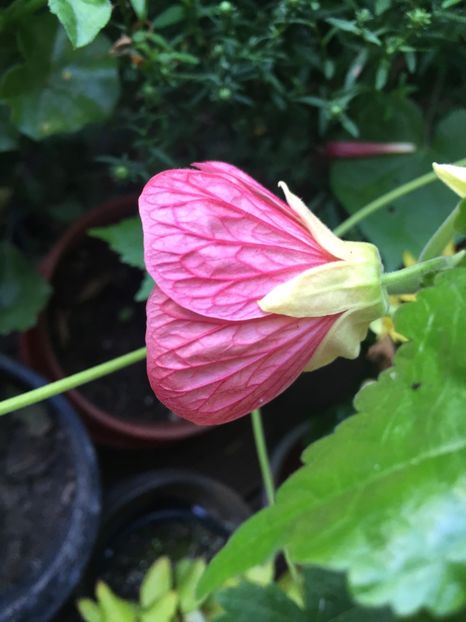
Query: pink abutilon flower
(250, 291)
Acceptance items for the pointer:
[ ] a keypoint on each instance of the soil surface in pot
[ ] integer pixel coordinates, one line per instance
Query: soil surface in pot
(37, 489)
(176, 533)
(92, 318)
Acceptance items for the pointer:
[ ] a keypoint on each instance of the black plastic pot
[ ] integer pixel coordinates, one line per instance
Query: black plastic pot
(37, 596)
(150, 506)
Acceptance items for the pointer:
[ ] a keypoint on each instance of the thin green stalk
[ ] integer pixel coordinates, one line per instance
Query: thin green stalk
(267, 478)
(441, 237)
(408, 280)
(71, 382)
(387, 198)
(261, 449)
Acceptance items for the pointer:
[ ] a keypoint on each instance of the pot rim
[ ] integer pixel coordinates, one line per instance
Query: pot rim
(65, 564)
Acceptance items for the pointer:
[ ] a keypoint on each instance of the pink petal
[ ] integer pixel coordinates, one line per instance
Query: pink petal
(211, 371)
(216, 241)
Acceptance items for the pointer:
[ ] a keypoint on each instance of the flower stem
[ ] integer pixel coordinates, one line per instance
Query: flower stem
(71, 382)
(441, 237)
(408, 280)
(261, 450)
(387, 198)
(267, 478)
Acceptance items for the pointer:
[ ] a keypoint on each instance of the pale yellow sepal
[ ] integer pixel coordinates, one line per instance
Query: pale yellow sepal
(345, 337)
(453, 176)
(351, 286)
(332, 288)
(340, 249)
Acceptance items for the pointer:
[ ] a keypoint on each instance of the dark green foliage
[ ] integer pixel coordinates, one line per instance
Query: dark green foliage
(22, 292)
(260, 84)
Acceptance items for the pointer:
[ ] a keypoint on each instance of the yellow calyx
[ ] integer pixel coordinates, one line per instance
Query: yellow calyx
(453, 176)
(351, 286)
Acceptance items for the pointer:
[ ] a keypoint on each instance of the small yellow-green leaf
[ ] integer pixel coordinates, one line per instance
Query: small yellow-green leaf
(188, 573)
(261, 575)
(114, 608)
(164, 610)
(89, 610)
(157, 582)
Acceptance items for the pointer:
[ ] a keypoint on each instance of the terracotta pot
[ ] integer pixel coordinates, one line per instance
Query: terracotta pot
(37, 349)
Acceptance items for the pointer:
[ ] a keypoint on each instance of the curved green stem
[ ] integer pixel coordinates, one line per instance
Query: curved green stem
(261, 450)
(267, 478)
(71, 382)
(408, 280)
(387, 198)
(441, 237)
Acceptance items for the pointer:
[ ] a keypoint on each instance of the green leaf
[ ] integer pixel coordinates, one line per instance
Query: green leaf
(408, 222)
(163, 610)
(188, 573)
(23, 293)
(82, 19)
(157, 582)
(344, 24)
(247, 602)
(114, 609)
(140, 8)
(328, 600)
(8, 134)
(58, 89)
(89, 610)
(125, 238)
(460, 221)
(384, 496)
(173, 15)
(146, 288)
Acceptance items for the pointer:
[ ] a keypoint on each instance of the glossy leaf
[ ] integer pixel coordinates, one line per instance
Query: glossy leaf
(384, 496)
(248, 602)
(328, 600)
(82, 19)
(23, 293)
(57, 89)
(404, 224)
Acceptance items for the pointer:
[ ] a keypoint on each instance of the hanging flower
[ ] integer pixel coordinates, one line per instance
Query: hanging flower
(251, 291)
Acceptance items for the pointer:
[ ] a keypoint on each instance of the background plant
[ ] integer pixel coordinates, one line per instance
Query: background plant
(262, 86)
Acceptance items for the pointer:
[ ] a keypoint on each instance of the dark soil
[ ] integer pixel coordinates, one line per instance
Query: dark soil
(37, 488)
(93, 317)
(177, 534)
